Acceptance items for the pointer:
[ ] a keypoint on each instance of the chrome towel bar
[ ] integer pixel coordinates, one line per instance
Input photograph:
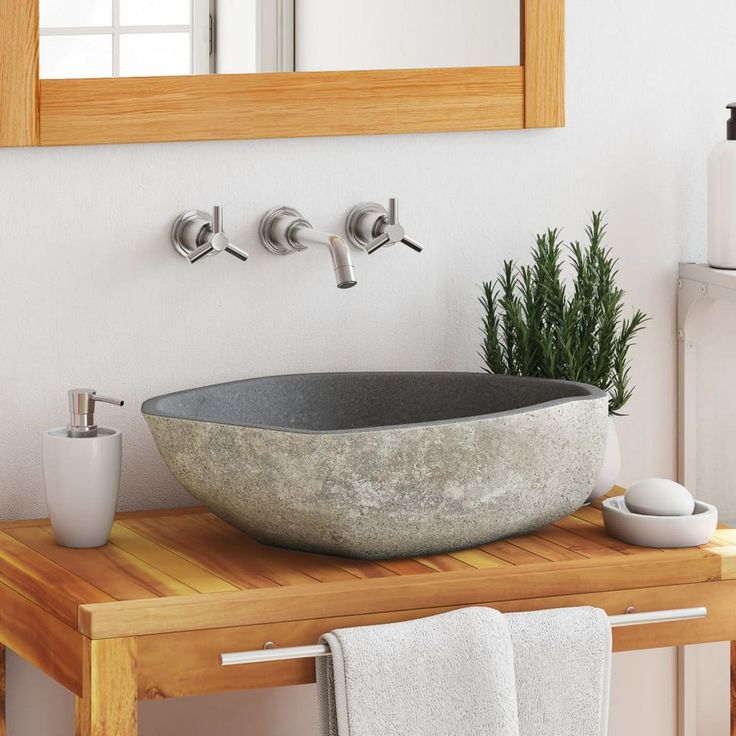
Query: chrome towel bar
(277, 654)
(658, 617)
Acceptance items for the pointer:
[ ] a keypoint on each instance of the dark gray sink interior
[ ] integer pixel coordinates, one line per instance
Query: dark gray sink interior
(324, 402)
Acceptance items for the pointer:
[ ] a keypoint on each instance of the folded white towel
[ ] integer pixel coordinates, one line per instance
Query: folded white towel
(563, 663)
(447, 675)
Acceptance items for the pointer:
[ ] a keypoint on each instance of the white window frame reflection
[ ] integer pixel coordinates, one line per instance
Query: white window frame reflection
(202, 58)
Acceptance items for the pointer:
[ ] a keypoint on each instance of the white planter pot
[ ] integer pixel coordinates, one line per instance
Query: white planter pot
(611, 468)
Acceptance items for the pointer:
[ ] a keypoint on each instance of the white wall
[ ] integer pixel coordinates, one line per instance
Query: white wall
(91, 293)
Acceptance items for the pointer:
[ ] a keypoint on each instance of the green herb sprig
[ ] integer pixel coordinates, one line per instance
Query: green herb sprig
(537, 324)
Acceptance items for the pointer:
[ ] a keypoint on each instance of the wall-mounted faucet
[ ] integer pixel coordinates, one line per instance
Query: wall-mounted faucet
(284, 231)
(370, 226)
(196, 235)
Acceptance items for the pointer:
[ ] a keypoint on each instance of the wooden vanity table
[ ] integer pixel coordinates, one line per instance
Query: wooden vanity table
(148, 616)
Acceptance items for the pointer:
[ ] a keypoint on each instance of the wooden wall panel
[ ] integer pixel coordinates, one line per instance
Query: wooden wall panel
(544, 63)
(19, 73)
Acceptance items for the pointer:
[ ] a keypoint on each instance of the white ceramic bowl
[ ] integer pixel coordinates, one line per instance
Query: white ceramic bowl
(660, 531)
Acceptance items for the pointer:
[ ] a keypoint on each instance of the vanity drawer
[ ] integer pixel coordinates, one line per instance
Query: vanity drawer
(188, 663)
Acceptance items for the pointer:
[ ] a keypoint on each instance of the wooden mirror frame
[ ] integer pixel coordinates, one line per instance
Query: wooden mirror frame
(58, 112)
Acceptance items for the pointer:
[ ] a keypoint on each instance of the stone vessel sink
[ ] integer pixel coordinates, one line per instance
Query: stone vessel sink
(380, 465)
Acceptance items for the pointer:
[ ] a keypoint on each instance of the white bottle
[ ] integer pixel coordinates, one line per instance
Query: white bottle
(722, 199)
(81, 470)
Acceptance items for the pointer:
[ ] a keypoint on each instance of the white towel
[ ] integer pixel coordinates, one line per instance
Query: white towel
(563, 664)
(447, 675)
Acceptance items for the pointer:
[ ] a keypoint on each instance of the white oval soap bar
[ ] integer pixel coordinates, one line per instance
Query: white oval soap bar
(659, 497)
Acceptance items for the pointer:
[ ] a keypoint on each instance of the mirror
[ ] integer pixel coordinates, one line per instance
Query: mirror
(132, 38)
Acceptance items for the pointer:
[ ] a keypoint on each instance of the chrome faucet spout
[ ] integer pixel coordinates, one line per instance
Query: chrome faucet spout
(284, 231)
(341, 259)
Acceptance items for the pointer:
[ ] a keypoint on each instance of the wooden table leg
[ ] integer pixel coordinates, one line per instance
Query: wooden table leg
(109, 702)
(2, 690)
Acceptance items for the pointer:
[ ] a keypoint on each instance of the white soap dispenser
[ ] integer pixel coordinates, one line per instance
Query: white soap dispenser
(81, 470)
(722, 198)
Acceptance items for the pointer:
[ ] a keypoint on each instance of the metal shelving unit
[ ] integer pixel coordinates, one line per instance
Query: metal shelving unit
(699, 287)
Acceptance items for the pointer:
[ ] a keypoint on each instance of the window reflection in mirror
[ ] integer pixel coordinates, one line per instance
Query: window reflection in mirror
(110, 38)
(105, 38)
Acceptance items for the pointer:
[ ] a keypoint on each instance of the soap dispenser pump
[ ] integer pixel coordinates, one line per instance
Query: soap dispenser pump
(722, 198)
(81, 469)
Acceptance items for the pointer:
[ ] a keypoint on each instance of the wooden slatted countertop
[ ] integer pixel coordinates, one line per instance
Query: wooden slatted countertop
(185, 569)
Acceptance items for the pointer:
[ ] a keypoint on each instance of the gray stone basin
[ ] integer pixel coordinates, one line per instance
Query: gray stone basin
(380, 465)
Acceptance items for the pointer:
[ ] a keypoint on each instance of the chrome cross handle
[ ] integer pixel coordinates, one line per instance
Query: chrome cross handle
(195, 235)
(370, 226)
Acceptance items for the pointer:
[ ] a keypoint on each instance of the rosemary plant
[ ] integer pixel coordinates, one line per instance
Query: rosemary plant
(535, 323)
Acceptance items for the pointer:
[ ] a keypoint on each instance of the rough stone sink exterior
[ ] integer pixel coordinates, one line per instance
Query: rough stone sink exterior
(379, 465)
